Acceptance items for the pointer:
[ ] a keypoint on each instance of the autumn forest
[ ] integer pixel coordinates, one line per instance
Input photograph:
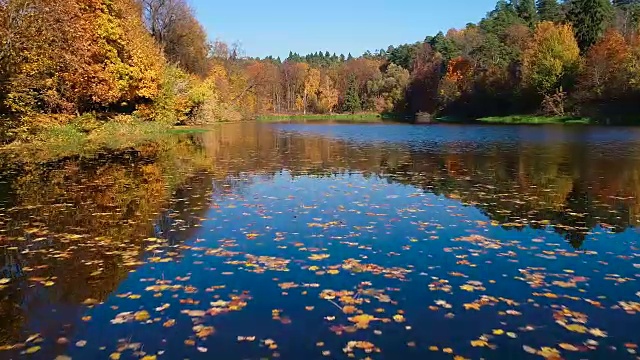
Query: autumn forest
(87, 62)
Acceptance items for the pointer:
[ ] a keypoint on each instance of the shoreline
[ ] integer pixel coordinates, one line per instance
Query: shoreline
(357, 118)
(380, 118)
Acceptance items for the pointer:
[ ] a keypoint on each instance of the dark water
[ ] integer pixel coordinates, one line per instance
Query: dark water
(328, 241)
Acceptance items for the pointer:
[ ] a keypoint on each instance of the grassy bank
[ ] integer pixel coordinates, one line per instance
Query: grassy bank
(60, 141)
(363, 117)
(535, 120)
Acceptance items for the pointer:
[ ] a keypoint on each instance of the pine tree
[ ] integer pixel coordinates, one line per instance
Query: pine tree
(352, 102)
(349, 57)
(527, 11)
(549, 10)
(590, 19)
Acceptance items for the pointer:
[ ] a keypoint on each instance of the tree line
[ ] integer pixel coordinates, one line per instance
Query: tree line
(152, 60)
(549, 57)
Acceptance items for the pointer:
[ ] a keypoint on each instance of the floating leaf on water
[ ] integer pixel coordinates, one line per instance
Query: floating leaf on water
(479, 343)
(142, 315)
(32, 350)
(597, 332)
(576, 328)
(90, 302)
(568, 347)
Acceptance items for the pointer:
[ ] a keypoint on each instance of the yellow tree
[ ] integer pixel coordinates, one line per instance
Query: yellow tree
(551, 59)
(311, 86)
(43, 46)
(131, 60)
(69, 56)
(328, 95)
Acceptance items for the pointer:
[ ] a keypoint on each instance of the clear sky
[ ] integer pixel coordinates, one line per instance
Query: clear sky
(273, 27)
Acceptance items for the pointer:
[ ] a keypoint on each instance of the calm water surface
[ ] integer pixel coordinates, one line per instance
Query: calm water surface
(320, 241)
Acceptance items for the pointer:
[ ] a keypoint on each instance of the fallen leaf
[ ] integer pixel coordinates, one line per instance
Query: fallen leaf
(567, 347)
(32, 350)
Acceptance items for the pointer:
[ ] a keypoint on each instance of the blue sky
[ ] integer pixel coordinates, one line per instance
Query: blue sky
(274, 27)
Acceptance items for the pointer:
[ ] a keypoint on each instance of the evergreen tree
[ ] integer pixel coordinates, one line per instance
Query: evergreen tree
(500, 19)
(444, 46)
(527, 11)
(341, 57)
(349, 57)
(352, 102)
(549, 10)
(590, 19)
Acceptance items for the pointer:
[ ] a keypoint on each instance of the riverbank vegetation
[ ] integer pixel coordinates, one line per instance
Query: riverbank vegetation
(357, 117)
(73, 67)
(535, 120)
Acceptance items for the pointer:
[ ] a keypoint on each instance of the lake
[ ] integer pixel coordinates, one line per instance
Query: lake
(326, 241)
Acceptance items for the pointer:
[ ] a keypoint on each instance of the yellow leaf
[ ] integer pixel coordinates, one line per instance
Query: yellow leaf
(115, 356)
(479, 343)
(568, 347)
(362, 321)
(548, 352)
(142, 315)
(473, 306)
(33, 349)
(597, 332)
(576, 328)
